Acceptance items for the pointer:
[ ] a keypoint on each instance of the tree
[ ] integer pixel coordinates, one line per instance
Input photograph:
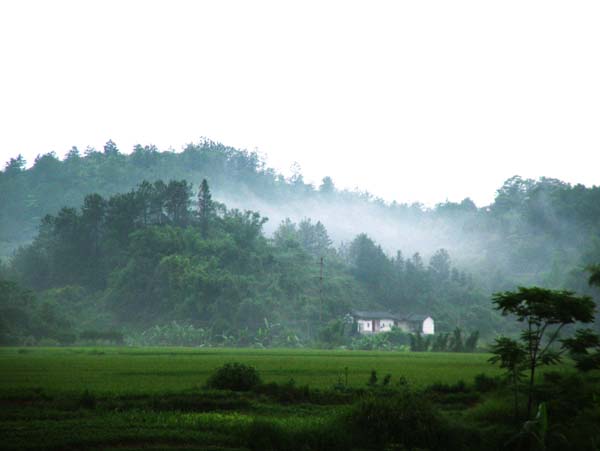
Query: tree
(177, 201)
(471, 341)
(286, 234)
(545, 312)
(456, 341)
(15, 165)
(594, 275)
(439, 265)
(586, 340)
(512, 357)
(327, 187)
(92, 217)
(313, 238)
(579, 348)
(110, 148)
(206, 208)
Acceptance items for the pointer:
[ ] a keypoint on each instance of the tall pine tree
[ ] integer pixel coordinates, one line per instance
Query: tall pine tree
(206, 208)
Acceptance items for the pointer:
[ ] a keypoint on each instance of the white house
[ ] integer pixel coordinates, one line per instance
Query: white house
(414, 322)
(373, 322)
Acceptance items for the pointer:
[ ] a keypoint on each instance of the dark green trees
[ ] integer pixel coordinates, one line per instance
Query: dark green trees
(544, 313)
(512, 357)
(584, 347)
(206, 208)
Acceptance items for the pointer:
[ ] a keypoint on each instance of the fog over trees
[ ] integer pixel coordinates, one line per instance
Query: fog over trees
(212, 237)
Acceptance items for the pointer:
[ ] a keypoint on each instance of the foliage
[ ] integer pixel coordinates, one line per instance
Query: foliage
(584, 348)
(406, 419)
(234, 376)
(535, 231)
(374, 342)
(146, 251)
(171, 334)
(512, 357)
(113, 337)
(539, 309)
(484, 383)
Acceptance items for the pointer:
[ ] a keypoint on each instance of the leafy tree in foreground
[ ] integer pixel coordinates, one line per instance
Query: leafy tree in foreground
(595, 275)
(585, 340)
(512, 357)
(545, 312)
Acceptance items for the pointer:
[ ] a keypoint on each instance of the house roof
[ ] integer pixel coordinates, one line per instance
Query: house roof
(415, 317)
(365, 314)
(373, 314)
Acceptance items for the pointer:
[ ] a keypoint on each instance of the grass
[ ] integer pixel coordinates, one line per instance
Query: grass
(158, 370)
(153, 398)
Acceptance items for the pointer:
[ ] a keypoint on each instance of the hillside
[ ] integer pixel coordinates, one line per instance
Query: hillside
(118, 241)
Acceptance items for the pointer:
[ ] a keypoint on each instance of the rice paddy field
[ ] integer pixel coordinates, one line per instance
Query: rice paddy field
(120, 398)
(155, 370)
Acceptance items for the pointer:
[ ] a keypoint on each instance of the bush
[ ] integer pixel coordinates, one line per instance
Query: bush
(375, 342)
(265, 436)
(234, 376)
(102, 336)
(172, 334)
(287, 393)
(47, 342)
(441, 387)
(406, 419)
(485, 383)
(87, 400)
(397, 337)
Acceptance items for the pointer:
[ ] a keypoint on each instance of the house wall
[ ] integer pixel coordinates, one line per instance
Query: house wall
(385, 325)
(365, 325)
(369, 326)
(428, 326)
(375, 325)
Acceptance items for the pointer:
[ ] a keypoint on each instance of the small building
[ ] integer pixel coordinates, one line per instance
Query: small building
(373, 322)
(415, 322)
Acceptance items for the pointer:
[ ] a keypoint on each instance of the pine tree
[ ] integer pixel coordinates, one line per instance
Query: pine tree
(206, 208)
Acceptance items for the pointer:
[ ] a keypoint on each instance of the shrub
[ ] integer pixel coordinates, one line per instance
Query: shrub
(264, 436)
(172, 334)
(102, 336)
(406, 419)
(66, 338)
(285, 393)
(48, 342)
(397, 337)
(485, 383)
(234, 376)
(441, 387)
(379, 342)
(87, 400)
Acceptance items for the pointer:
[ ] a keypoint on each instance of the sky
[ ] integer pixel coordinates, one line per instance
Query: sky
(411, 100)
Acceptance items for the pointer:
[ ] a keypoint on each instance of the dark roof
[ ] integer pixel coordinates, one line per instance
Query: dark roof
(415, 317)
(372, 314)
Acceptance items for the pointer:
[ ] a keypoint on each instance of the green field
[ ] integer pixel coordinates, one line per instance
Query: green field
(155, 370)
(140, 398)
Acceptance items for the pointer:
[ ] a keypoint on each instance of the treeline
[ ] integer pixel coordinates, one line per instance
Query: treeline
(164, 252)
(28, 194)
(535, 231)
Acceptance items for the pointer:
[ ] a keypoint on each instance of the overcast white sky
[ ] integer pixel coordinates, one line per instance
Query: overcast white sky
(410, 100)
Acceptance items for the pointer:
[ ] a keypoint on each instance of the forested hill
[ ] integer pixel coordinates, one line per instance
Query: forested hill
(148, 257)
(534, 232)
(135, 241)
